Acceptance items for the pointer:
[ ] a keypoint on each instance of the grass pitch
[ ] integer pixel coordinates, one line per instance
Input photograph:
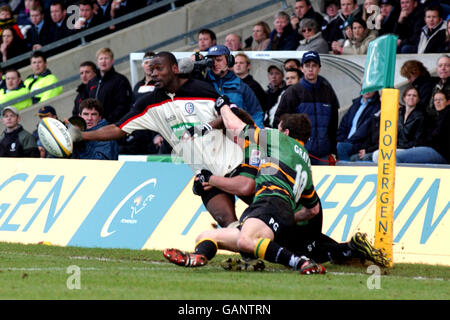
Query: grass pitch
(29, 272)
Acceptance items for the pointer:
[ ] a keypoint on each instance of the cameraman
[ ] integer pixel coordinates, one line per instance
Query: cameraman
(227, 83)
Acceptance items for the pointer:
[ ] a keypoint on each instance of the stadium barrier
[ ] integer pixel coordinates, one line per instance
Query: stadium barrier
(150, 205)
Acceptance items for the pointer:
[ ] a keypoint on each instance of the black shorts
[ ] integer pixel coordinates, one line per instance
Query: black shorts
(299, 236)
(208, 195)
(275, 212)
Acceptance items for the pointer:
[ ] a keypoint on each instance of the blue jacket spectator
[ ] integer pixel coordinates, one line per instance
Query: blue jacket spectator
(315, 96)
(355, 126)
(227, 83)
(99, 150)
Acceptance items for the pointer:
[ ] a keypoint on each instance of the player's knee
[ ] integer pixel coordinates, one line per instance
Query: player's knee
(245, 244)
(205, 234)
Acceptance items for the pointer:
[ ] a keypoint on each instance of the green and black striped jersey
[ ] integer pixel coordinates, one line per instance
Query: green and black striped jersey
(284, 168)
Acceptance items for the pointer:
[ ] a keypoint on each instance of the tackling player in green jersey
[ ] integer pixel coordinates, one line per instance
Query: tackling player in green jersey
(284, 178)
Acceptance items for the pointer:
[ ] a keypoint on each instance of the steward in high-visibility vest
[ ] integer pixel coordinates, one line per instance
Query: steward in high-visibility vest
(41, 77)
(14, 88)
(7, 95)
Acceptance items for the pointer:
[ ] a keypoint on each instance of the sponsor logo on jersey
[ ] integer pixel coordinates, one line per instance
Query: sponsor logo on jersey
(189, 107)
(255, 158)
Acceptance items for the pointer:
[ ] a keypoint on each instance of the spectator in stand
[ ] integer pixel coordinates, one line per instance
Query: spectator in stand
(260, 36)
(144, 141)
(39, 34)
(88, 71)
(46, 111)
(14, 89)
(23, 17)
(91, 111)
(369, 9)
(282, 37)
(314, 96)
(359, 41)
(419, 76)
(15, 141)
(120, 8)
(312, 37)
(388, 17)
(7, 20)
(206, 39)
(335, 30)
(304, 10)
(435, 147)
(409, 26)
(88, 19)
(111, 88)
(225, 82)
(410, 130)
(447, 37)
(104, 9)
(440, 82)
(146, 85)
(355, 126)
(11, 44)
(233, 42)
(432, 37)
(293, 76)
(58, 14)
(292, 63)
(241, 68)
(331, 10)
(371, 143)
(41, 78)
(275, 87)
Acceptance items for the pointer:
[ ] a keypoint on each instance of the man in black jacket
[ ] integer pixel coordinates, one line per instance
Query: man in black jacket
(409, 26)
(110, 87)
(88, 71)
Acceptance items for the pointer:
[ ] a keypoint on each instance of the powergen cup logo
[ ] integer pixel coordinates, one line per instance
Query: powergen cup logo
(135, 203)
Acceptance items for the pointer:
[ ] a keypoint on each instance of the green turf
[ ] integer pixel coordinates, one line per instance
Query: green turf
(40, 272)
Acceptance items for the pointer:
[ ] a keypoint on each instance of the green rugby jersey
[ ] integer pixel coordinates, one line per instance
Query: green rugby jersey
(284, 168)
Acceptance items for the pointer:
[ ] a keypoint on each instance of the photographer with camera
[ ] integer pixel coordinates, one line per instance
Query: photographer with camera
(219, 62)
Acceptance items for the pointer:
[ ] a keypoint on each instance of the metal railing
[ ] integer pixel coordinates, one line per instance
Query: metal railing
(124, 18)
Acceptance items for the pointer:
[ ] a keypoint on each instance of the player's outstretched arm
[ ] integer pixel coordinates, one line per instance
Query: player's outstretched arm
(239, 185)
(109, 132)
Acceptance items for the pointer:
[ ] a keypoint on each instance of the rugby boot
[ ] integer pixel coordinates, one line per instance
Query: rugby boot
(311, 267)
(362, 246)
(183, 259)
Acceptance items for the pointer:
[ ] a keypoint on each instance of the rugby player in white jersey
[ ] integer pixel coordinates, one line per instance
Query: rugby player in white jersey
(177, 104)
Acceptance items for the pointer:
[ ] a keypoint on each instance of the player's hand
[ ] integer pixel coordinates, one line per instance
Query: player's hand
(220, 102)
(196, 131)
(74, 132)
(204, 175)
(201, 182)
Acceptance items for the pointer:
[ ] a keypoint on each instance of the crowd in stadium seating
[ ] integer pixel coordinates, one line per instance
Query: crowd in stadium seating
(344, 27)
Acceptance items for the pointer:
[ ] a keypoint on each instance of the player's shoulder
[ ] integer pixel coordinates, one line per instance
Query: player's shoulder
(200, 88)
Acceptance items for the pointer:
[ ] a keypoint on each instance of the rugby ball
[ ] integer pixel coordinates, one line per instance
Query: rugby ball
(55, 137)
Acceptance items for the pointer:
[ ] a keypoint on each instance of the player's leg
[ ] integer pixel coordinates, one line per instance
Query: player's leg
(265, 248)
(222, 208)
(208, 243)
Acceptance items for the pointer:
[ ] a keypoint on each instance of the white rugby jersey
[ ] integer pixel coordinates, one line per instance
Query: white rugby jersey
(171, 114)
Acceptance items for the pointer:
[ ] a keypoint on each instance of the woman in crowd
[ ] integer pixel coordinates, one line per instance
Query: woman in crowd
(419, 76)
(435, 146)
(410, 127)
(260, 34)
(359, 41)
(313, 39)
(11, 44)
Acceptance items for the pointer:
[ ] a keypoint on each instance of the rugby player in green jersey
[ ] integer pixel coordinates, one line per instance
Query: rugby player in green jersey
(284, 178)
